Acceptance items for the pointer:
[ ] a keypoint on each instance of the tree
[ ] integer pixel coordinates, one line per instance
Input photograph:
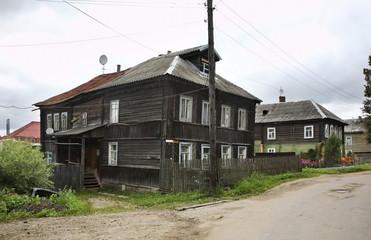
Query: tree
(333, 151)
(367, 103)
(23, 167)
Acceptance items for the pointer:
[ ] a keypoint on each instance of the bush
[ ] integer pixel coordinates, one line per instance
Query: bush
(332, 151)
(23, 167)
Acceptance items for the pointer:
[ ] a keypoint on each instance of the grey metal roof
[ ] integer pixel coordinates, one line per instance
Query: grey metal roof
(77, 131)
(354, 126)
(293, 111)
(172, 64)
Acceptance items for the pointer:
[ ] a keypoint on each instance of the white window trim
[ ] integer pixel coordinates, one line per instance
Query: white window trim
(185, 164)
(245, 152)
(205, 67)
(205, 163)
(111, 161)
(305, 132)
(274, 133)
(271, 150)
(327, 131)
(224, 159)
(49, 120)
(225, 120)
(207, 120)
(114, 111)
(346, 141)
(188, 111)
(64, 118)
(56, 121)
(242, 117)
(84, 119)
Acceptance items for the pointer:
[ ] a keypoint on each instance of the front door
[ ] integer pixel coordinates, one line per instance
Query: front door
(90, 155)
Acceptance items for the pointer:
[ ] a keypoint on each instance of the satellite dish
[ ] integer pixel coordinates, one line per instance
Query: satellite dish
(49, 131)
(103, 60)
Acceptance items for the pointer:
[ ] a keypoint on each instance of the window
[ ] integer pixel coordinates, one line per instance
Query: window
(84, 120)
(185, 156)
(185, 112)
(242, 152)
(271, 133)
(49, 157)
(308, 132)
(225, 115)
(226, 154)
(241, 125)
(49, 121)
(331, 129)
(205, 119)
(205, 156)
(112, 153)
(64, 120)
(348, 141)
(327, 133)
(205, 67)
(114, 111)
(56, 121)
(271, 150)
(340, 133)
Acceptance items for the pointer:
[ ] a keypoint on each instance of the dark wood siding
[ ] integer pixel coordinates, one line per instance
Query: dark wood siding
(93, 108)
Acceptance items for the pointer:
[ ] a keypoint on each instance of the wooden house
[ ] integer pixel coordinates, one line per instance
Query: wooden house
(355, 140)
(123, 129)
(294, 126)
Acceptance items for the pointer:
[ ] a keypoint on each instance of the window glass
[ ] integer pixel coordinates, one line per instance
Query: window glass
(271, 150)
(185, 111)
(84, 121)
(205, 156)
(64, 120)
(56, 121)
(327, 131)
(225, 115)
(49, 121)
(348, 141)
(114, 111)
(205, 119)
(242, 152)
(241, 119)
(271, 133)
(185, 156)
(226, 154)
(308, 132)
(112, 153)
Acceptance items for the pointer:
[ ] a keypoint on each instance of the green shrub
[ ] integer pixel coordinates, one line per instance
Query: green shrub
(333, 151)
(23, 167)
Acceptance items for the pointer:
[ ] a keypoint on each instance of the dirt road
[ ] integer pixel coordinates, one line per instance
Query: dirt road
(327, 207)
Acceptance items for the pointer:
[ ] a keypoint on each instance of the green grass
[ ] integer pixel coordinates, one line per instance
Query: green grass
(79, 204)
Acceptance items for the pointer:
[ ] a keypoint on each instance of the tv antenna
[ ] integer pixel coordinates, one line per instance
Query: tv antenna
(281, 91)
(103, 60)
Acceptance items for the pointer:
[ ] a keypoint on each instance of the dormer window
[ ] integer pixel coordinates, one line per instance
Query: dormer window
(205, 66)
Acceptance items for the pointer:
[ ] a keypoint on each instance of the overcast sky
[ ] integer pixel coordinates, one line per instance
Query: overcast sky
(311, 49)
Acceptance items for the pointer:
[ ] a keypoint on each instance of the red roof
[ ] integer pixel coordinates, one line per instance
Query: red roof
(83, 88)
(29, 132)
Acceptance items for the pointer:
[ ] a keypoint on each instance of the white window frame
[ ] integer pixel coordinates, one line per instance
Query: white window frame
(205, 118)
(64, 118)
(112, 153)
(49, 121)
(244, 153)
(241, 123)
(331, 129)
(205, 157)
(225, 120)
(185, 108)
(114, 111)
(271, 150)
(205, 67)
(348, 139)
(225, 155)
(56, 121)
(308, 133)
(84, 119)
(271, 133)
(185, 162)
(327, 131)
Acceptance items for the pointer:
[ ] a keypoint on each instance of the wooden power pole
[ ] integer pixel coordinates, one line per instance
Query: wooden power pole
(212, 126)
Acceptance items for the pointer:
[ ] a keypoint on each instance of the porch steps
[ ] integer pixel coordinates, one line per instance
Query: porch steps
(91, 182)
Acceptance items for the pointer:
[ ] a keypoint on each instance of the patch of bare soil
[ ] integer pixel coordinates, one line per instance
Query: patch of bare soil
(36, 208)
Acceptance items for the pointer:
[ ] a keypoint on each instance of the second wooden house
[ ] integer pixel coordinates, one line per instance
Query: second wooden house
(123, 129)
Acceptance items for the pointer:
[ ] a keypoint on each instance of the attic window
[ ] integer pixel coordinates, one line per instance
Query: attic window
(205, 66)
(265, 112)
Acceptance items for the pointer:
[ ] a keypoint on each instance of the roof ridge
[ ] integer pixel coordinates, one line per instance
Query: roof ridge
(318, 109)
(172, 65)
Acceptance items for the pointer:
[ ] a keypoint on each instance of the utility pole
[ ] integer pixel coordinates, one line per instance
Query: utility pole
(212, 127)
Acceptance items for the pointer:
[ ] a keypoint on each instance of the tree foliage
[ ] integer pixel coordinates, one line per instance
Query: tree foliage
(23, 167)
(367, 103)
(333, 151)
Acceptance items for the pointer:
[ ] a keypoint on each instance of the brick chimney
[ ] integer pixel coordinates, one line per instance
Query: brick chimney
(282, 99)
(7, 127)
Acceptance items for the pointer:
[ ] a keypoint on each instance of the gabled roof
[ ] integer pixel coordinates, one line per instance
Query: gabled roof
(293, 111)
(83, 88)
(354, 126)
(31, 132)
(173, 64)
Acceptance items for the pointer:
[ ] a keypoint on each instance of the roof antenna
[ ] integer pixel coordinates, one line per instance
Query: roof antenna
(281, 91)
(103, 60)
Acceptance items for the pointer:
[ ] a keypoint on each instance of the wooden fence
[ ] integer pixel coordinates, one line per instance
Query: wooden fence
(362, 158)
(66, 175)
(177, 178)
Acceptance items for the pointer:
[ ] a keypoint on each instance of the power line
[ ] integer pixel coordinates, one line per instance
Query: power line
(287, 54)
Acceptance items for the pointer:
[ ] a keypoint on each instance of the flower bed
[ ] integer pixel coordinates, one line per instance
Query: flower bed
(310, 163)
